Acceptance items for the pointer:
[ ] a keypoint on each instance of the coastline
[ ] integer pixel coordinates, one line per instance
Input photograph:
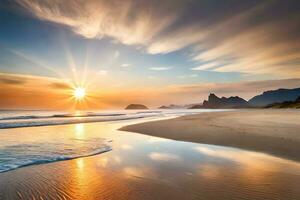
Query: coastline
(273, 132)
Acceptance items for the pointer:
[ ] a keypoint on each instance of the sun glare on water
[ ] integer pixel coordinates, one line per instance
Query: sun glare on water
(79, 93)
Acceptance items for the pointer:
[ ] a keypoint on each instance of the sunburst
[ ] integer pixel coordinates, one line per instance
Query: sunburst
(79, 93)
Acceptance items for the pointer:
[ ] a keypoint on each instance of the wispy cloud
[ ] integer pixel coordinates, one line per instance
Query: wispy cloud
(11, 80)
(130, 22)
(102, 72)
(207, 66)
(257, 37)
(116, 54)
(59, 85)
(187, 76)
(160, 68)
(158, 156)
(125, 65)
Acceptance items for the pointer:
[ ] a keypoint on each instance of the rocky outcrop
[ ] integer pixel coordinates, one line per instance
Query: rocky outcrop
(231, 102)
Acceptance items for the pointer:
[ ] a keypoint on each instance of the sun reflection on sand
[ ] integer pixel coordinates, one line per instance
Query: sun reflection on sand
(80, 131)
(80, 163)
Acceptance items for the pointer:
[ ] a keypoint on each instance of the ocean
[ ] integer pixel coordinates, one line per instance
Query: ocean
(21, 145)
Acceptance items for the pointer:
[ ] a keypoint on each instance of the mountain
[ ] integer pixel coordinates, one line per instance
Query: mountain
(286, 104)
(231, 102)
(136, 107)
(275, 96)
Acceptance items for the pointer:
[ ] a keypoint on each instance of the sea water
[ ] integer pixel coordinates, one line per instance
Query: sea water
(21, 147)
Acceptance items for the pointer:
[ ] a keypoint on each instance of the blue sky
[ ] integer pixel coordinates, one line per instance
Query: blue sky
(48, 42)
(146, 44)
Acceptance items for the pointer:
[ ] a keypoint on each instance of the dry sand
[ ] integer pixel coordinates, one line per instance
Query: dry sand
(275, 132)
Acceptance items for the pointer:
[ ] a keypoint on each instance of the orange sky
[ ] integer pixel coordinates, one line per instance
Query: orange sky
(35, 92)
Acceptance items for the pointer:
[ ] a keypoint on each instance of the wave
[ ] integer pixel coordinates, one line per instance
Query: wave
(17, 156)
(47, 122)
(17, 120)
(59, 116)
(154, 111)
(16, 153)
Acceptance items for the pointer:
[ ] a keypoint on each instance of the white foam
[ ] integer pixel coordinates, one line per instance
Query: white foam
(16, 156)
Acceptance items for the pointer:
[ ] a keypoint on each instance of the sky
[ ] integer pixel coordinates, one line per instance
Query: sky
(154, 52)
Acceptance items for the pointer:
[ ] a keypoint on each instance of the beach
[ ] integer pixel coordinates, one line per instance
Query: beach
(141, 166)
(270, 131)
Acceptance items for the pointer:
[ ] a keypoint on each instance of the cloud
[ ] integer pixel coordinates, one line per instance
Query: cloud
(254, 51)
(116, 54)
(11, 80)
(188, 76)
(160, 68)
(32, 92)
(125, 65)
(25, 81)
(102, 72)
(130, 22)
(158, 156)
(207, 66)
(257, 37)
(59, 85)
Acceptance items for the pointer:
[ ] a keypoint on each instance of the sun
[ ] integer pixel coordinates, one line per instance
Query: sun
(79, 93)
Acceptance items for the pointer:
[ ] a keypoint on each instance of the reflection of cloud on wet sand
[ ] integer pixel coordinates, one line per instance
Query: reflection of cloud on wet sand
(118, 159)
(127, 147)
(131, 171)
(251, 160)
(157, 156)
(249, 167)
(209, 171)
(102, 162)
(157, 139)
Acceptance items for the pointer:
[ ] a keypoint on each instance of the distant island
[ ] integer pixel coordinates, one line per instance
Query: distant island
(136, 107)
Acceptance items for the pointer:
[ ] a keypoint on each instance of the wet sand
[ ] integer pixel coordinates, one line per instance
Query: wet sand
(275, 132)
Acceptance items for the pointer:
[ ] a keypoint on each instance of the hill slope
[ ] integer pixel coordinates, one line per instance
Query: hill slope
(275, 96)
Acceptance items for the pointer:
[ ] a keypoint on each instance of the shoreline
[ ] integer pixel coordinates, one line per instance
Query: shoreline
(144, 167)
(273, 132)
